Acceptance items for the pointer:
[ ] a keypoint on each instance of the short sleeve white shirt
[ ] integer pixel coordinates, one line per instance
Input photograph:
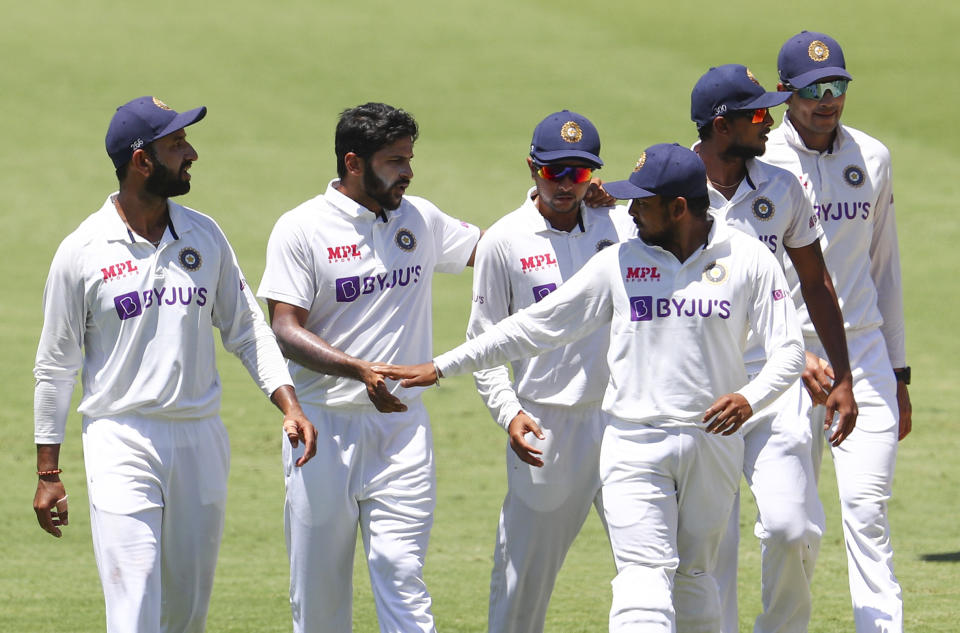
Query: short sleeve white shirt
(365, 282)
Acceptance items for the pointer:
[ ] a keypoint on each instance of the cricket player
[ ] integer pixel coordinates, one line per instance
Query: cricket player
(348, 278)
(551, 410)
(731, 111)
(132, 297)
(678, 303)
(847, 176)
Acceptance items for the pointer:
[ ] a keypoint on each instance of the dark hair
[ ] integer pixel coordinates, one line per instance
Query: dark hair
(122, 169)
(369, 127)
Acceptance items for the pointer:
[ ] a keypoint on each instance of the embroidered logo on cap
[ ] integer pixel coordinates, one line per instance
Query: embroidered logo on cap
(640, 162)
(571, 132)
(751, 77)
(818, 51)
(160, 104)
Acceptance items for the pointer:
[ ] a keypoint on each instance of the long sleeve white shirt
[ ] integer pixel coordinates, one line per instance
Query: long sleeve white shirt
(851, 189)
(138, 321)
(677, 329)
(520, 260)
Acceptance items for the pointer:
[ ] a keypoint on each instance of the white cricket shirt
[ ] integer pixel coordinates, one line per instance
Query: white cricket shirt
(677, 329)
(851, 189)
(365, 282)
(769, 205)
(138, 320)
(520, 260)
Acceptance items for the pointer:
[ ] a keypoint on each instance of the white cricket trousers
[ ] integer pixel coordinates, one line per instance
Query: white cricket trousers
(864, 464)
(374, 470)
(778, 466)
(667, 494)
(543, 512)
(158, 492)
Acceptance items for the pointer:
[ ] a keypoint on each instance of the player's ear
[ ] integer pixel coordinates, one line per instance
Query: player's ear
(677, 207)
(141, 162)
(354, 163)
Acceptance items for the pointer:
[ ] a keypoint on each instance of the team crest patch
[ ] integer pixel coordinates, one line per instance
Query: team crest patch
(763, 208)
(751, 77)
(715, 273)
(602, 244)
(818, 51)
(640, 162)
(190, 259)
(853, 175)
(160, 104)
(571, 132)
(405, 240)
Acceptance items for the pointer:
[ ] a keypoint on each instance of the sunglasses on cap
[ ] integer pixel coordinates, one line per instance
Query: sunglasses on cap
(557, 173)
(816, 91)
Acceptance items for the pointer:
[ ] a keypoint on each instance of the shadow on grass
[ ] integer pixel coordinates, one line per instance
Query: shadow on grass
(946, 557)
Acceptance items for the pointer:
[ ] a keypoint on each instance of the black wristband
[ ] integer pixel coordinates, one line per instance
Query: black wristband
(902, 375)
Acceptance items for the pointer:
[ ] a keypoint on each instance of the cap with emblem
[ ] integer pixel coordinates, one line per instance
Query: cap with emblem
(667, 170)
(729, 88)
(809, 57)
(565, 135)
(143, 121)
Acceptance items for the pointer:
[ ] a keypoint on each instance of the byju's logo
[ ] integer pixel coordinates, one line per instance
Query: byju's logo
(348, 289)
(128, 305)
(641, 308)
(539, 292)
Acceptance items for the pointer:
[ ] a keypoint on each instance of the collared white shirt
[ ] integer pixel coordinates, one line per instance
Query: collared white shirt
(365, 281)
(770, 205)
(851, 189)
(138, 320)
(677, 329)
(520, 260)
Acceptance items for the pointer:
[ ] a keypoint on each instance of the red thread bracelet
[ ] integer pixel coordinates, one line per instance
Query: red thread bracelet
(55, 471)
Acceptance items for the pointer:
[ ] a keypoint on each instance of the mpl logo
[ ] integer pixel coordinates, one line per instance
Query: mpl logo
(128, 305)
(641, 308)
(539, 292)
(536, 262)
(343, 253)
(643, 273)
(118, 270)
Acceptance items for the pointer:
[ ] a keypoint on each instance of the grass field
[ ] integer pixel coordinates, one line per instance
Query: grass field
(478, 77)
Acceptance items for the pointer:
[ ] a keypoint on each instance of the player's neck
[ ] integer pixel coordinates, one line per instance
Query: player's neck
(692, 238)
(725, 172)
(145, 214)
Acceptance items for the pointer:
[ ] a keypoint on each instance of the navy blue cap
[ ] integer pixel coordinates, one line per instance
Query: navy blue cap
(729, 88)
(667, 170)
(143, 121)
(564, 135)
(808, 57)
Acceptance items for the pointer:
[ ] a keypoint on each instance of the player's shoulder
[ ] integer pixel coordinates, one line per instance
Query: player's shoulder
(871, 147)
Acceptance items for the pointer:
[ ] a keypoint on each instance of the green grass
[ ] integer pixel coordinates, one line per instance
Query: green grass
(478, 77)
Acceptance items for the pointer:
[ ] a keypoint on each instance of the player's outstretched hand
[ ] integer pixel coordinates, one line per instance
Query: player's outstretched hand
(519, 426)
(905, 409)
(817, 378)
(422, 375)
(841, 402)
(50, 504)
(597, 196)
(729, 412)
(377, 391)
